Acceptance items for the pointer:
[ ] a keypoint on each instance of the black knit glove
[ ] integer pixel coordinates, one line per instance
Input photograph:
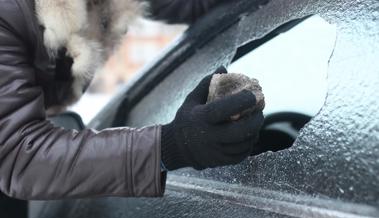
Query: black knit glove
(202, 135)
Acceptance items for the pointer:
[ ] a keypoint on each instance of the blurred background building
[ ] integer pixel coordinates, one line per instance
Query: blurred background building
(143, 43)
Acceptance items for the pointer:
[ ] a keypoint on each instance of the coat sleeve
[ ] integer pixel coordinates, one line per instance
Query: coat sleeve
(41, 162)
(181, 11)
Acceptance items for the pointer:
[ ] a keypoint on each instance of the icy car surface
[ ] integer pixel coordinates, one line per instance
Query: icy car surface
(333, 168)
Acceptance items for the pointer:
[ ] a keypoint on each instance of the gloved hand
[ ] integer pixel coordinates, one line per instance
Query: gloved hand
(202, 135)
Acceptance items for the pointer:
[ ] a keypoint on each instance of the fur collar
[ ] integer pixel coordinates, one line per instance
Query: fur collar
(88, 29)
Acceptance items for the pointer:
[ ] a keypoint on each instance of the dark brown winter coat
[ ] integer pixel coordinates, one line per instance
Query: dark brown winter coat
(40, 161)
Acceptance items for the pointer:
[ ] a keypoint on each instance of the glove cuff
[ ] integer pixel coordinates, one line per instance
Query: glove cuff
(172, 157)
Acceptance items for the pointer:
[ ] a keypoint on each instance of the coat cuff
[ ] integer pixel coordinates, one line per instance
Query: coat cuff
(147, 178)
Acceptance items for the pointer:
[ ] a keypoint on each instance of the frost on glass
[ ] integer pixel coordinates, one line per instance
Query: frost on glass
(161, 105)
(337, 153)
(335, 158)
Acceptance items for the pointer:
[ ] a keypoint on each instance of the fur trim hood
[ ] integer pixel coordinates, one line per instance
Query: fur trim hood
(88, 29)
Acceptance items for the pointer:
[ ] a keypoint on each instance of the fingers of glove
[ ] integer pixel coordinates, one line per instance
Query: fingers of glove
(200, 93)
(223, 109)
(239, 131)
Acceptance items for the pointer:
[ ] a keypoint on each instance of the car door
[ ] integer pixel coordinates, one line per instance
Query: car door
(331, 170)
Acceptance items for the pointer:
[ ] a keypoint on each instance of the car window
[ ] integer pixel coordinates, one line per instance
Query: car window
(303, 52)
(292, 67)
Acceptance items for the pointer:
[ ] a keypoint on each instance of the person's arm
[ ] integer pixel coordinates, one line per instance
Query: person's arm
(180, 11)
(39, 161)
